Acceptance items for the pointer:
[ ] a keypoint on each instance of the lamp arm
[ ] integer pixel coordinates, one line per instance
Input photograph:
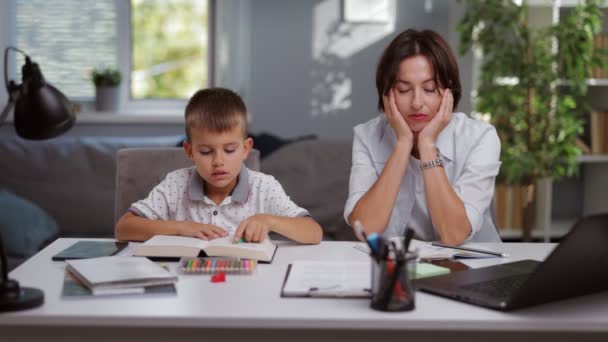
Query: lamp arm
(6, 110)
(6, 84)
(11, 88)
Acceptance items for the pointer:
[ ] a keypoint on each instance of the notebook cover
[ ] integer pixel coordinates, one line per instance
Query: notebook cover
(90, 249)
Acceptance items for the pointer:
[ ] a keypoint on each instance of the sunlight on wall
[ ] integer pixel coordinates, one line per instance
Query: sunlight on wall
(341, 29)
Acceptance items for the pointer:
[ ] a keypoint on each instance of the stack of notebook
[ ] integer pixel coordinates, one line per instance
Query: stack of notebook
(120, 275)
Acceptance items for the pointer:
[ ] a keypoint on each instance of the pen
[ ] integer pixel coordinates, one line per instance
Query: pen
(373, 249)
(407, 238)
(469, 249)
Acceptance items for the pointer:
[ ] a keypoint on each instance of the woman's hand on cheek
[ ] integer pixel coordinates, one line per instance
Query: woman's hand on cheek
(396, 120)
(428, 135)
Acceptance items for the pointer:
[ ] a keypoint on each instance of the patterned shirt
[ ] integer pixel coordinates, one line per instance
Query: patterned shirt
(181, 197)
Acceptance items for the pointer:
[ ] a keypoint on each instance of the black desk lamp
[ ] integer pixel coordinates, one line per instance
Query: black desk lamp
(41, 112)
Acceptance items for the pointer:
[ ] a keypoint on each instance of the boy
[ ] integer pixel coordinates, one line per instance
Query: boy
(219, 196)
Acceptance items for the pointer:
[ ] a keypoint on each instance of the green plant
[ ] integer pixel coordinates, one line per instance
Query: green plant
(537, 120)
(106, 77)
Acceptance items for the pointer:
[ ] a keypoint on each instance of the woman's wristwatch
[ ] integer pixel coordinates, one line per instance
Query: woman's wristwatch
(432, 163)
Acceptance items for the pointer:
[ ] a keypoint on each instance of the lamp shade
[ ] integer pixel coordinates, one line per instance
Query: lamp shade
(41, 110)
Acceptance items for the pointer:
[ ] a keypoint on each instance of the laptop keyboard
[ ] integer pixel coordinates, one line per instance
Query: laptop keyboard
(498, 288)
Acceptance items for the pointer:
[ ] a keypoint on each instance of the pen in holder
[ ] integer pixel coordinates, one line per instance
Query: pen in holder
(392, 288)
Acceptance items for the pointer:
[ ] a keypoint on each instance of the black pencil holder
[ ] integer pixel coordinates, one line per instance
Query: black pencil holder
(392, 288)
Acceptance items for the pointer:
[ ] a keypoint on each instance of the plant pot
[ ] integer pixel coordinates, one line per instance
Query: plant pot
(515, 209)
(107, 99)
(524, 208)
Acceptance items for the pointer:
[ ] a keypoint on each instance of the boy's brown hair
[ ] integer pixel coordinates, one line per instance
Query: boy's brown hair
(216, 109)
(410, 43)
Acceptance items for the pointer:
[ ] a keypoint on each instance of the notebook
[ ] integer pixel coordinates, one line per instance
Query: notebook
(170, 246)
(576, 267)
(90, 249)
(108, 275)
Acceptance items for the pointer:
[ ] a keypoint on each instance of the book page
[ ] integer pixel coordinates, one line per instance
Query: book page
(329, 278)
(227, 241)
(262, 251)
(173, 240)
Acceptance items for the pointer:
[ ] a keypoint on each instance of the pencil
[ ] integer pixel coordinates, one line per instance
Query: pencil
(469, 249)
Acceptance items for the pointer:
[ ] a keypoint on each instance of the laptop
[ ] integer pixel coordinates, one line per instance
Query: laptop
(576, 267)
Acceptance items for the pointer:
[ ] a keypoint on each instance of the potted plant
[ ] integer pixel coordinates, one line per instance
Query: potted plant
(107, 91)
(538, 121)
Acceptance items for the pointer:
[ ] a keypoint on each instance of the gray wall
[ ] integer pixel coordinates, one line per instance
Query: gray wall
(278, 55)
(285, 74)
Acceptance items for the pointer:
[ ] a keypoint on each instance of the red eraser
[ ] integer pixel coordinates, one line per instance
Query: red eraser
(219, 277)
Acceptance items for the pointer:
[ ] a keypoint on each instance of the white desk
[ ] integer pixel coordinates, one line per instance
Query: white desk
(249, 308)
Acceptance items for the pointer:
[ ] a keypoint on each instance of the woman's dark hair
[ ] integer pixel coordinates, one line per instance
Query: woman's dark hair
(426, 43)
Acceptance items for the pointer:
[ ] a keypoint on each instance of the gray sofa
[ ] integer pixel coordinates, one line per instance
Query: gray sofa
(73, 179)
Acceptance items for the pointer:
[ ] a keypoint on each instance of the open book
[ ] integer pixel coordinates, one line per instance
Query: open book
(110, 275)
(169, 246)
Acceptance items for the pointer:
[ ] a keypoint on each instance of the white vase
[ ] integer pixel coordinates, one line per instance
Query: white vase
(107, 99)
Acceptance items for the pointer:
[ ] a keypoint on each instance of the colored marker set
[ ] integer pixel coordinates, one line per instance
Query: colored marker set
(214, 265)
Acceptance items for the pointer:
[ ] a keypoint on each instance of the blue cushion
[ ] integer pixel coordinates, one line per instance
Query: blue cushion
(24, 226)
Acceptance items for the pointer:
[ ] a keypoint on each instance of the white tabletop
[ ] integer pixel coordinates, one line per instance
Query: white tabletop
(254, 301)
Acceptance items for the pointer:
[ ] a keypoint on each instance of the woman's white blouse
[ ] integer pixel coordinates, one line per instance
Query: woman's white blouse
(470, 151)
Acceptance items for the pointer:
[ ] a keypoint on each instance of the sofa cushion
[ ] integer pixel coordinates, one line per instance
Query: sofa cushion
(24, 226)
(71, 178)
(315, 174)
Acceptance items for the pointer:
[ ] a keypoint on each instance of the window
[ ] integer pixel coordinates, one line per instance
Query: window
(365, 11)
(67, 38)
(169, 48)
(161, 46)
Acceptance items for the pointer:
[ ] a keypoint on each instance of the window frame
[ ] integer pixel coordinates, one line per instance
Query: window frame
(130, 106)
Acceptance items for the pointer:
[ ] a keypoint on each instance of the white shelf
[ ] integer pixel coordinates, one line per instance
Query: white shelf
(597, 81)
(594, 82)
(513, 81)
(549, 3)
(592, 158)
(559, 228)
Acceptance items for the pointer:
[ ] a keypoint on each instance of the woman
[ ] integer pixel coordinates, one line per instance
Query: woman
(419, 165)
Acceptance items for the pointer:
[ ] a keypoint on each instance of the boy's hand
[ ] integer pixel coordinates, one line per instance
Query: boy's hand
(201, 231)
(254, 228)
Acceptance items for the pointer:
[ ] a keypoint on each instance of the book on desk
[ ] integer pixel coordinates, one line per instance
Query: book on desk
(118, 275)
(169, 246)
(75, 288)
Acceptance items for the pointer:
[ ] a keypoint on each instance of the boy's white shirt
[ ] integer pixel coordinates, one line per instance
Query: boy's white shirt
(181, 197)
